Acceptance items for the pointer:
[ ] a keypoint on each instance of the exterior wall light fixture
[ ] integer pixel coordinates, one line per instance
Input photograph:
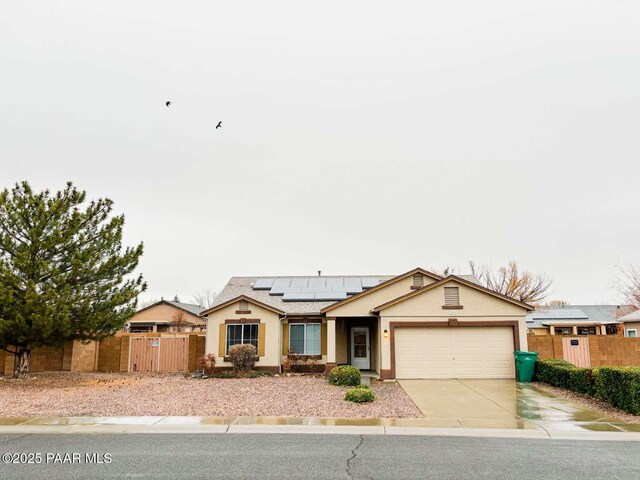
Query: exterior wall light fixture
(386, 333)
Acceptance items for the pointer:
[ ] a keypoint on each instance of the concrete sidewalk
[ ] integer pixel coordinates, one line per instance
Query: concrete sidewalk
(317, 425)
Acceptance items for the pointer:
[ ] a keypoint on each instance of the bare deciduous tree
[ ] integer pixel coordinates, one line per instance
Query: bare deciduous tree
(179, 322)
(147, 303)
(556, 303)
(204, 298)
(513, 282)
(629, 284)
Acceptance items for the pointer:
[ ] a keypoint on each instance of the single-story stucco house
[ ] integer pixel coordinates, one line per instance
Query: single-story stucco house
(631, 324)
(415, 325)
(167, 316)
(578, 320)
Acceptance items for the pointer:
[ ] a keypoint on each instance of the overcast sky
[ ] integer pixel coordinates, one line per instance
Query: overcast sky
(361, 137)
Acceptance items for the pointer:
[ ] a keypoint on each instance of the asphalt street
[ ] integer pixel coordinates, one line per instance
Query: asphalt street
(299, 456)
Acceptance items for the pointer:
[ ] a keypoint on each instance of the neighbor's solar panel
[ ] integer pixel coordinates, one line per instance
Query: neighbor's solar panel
(369, 282)
(263, 284)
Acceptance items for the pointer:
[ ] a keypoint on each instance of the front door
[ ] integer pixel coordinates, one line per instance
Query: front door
(360, 348)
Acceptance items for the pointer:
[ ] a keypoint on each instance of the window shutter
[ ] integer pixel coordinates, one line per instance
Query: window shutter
(261, 338)
(323, 339)
(222, 339)
(285, 339)
(451, 296)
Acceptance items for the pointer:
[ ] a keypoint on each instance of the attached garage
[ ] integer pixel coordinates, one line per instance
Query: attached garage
(454, 352)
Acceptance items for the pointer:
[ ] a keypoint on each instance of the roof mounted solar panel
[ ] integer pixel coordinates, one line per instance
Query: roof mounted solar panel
(281, 282)
(350, 281)
(370, 282)
(348, 289)
(298, 297)
(335, 282)
(322, 296)
(317, 282)
(263, 284)
(300, 282)
(316, 289)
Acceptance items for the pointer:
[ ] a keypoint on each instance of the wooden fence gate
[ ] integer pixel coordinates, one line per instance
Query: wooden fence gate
(576, 351)
(159, 354)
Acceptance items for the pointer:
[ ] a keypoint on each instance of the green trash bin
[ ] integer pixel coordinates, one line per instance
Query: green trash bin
(525, 365)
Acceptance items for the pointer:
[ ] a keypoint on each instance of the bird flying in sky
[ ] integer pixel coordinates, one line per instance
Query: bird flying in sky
(219, 125)
(168, 103)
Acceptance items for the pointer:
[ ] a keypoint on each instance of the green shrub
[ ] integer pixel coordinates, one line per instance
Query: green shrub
(243, 374)
(362, 385)
(345, 375)
(620, 387)
(617, 386)
(563, 374)
(360, 395)
(243, 357)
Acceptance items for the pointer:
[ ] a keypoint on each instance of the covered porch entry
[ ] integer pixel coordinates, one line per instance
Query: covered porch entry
(356, 342)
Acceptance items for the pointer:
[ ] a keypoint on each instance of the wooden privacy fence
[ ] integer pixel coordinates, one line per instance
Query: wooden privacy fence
(164, 354)
(178, 353)
(588, 350)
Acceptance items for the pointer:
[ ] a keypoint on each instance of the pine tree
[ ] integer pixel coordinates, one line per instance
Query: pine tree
(64, 274)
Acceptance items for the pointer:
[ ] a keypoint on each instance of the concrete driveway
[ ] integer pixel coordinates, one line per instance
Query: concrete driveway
(503, 404)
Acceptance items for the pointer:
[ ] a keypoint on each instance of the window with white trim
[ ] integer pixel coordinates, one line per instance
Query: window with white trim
(632, 333)
(451, 296)
(244, 333)
(304, 338)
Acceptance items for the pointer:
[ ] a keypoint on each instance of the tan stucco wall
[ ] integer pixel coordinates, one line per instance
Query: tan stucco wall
(270, 319)
(632, 326)
(362, 306)
(427, 307)
(162, 313)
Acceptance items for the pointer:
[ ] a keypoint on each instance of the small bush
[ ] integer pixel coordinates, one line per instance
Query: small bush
(243, 374)
(620, 387)
(360, 395)
(208, 364)
(243, 357)
(345, 375)
(362, 385)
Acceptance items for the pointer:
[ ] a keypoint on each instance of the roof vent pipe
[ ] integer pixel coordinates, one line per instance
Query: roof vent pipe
(319, 272)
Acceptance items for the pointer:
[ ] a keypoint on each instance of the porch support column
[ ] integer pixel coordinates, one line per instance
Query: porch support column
(603, 329)
(331, 345)
(575, 330)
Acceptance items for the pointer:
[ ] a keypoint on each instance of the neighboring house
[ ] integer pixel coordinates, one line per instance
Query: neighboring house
(631, 324)
(414, 325)
(168, 316)
(578, 320)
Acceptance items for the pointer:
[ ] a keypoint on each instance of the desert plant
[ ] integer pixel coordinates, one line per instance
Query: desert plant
(286, 366)
(243, 357)
(294, 359)
(344, 375)
(208, 364)
(360, 395)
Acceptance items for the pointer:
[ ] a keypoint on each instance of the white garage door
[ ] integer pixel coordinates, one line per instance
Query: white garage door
(454, 352)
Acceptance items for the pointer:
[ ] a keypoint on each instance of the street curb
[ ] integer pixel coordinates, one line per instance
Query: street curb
(275, 425)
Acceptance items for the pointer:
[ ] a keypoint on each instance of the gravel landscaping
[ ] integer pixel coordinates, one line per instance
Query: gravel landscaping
(113, 394)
